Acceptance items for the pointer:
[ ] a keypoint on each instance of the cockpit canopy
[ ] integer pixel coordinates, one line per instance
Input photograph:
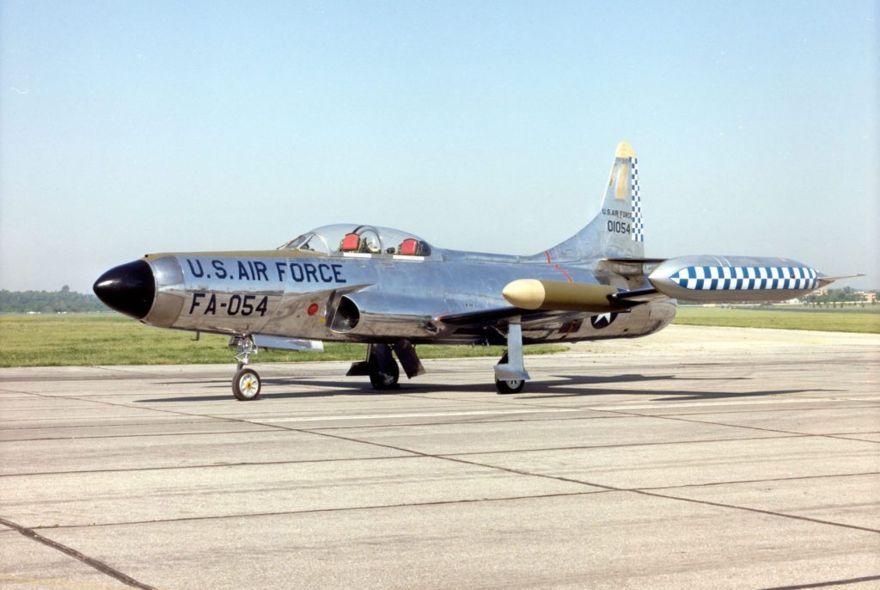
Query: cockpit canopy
(361, 239)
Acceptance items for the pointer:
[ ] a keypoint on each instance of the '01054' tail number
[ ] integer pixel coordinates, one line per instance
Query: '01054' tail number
(619, 227)
(245, 305)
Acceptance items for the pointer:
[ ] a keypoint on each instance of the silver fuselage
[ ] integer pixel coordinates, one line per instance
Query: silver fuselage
(379, 297)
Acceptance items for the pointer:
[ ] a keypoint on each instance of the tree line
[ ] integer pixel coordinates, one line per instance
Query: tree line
(63, 301)
(839, 297)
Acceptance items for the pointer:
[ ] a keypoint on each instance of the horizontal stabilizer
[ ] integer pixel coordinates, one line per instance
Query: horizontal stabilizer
(628, 267)
(826, 280)
(635, 260)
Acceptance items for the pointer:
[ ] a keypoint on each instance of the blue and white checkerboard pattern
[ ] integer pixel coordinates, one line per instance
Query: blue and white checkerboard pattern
(638, 228)
(745, 278)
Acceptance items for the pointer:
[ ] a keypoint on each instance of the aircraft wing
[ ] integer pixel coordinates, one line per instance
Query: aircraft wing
(564, 300)
(487, 317)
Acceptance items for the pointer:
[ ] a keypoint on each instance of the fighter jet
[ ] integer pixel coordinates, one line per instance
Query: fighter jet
(393, 291)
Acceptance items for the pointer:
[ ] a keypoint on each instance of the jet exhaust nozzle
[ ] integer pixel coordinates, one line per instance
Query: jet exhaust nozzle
(128, 288)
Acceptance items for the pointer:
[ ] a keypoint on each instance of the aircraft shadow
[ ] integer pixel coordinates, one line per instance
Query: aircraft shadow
(350, 387)
(566, 386)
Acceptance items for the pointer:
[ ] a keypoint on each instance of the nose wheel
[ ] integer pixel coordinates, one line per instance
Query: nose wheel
(246, 384)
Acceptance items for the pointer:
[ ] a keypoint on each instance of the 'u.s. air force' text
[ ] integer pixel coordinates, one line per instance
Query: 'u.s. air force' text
(257, 270)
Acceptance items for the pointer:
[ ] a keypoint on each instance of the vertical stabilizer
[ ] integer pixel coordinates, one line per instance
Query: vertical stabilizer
(617, 230)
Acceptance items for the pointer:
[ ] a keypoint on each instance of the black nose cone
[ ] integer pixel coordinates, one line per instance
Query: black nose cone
(128, 288)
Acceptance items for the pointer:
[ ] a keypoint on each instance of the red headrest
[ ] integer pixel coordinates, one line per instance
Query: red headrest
(409, 247)
(350, 243)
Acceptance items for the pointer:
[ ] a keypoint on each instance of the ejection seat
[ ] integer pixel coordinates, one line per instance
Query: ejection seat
(412, 247)
(351, 243)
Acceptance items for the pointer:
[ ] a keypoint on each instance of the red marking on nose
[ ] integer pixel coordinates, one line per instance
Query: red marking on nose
(313, 309)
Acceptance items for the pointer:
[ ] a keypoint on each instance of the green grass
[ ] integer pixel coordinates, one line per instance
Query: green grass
(866, 320)
(109, 339)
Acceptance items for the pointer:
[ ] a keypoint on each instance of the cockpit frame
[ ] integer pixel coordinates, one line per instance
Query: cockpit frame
(359, 240)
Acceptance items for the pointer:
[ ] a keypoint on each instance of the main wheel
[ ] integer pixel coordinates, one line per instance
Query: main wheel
(510, 386)
(246, 385)
(381, 380)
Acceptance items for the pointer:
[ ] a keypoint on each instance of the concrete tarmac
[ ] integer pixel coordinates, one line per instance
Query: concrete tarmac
(695, 458)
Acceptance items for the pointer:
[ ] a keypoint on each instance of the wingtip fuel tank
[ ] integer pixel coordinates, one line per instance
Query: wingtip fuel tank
(728, 279)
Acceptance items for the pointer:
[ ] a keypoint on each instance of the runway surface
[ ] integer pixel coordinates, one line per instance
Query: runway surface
(695, 458)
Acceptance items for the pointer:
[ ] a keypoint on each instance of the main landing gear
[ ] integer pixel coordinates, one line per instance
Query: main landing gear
(382, 367)
(246, 384)
(510, 373)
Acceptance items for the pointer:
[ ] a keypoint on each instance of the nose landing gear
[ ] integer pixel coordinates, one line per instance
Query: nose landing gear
(246, 384)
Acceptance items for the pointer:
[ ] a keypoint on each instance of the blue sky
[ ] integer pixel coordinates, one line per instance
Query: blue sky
(134, 127)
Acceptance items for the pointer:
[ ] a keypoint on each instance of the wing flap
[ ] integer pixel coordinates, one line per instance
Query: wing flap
(638, 295)
(488, 316)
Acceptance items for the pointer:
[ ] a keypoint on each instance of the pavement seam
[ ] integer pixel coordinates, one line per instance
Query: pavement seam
(645, 492)
(757, 510)
(209, 419)
(624, 445)
(408, 456)
(632, 490)
(327, 510)
(505, 421)
(767, 480)
(127, 424)
(203, 466)
(825, 584)
(158, 434)
(160, 410)
(89, 561)
(743, 426)
(394, 425)
(551, 395)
